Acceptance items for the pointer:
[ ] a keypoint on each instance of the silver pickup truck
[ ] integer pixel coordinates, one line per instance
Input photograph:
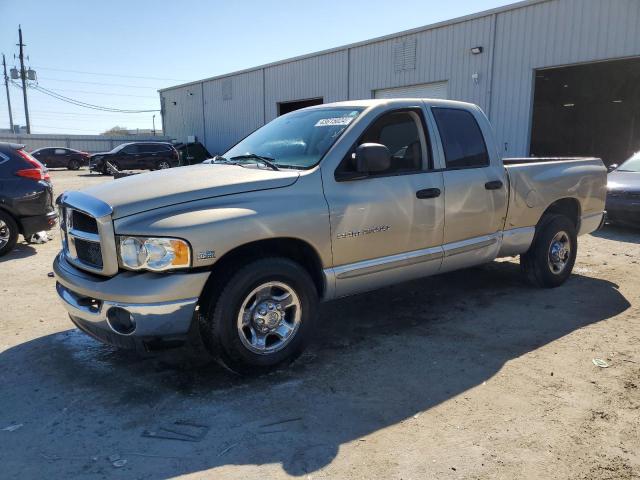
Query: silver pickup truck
(320, 203)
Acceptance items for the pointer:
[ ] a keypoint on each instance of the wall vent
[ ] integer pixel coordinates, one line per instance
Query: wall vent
(404, 55)
(227, 89)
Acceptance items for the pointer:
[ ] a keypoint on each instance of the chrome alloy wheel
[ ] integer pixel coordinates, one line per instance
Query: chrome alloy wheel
(559, 252)
(269, 318)
(5, 234)
(163, 165)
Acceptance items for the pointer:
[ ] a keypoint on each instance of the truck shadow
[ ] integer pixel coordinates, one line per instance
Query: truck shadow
(380, 359)
(619, 233)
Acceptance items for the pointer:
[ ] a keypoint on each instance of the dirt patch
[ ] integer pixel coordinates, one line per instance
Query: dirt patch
(471, 374)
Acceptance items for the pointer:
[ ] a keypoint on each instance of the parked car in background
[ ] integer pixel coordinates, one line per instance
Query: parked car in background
(58, 157)
(26, 196)
(192, 153)
(320, 203)
(136, 156)
(623, 192)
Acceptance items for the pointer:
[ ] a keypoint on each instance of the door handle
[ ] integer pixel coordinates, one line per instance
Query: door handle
(428, 193)
(493, 185)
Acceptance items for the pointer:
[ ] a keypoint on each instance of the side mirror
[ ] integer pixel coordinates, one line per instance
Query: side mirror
(612, 167)
(372, 157)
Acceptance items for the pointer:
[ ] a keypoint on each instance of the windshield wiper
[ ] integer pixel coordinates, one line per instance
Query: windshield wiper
(268, 161)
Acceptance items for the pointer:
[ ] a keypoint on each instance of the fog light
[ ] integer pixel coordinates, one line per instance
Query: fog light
(121, 321)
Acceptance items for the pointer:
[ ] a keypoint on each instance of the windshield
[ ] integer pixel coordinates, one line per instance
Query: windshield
(631, 165)
(299, 139)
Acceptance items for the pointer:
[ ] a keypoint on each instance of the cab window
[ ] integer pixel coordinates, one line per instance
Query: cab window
(401, 132)
(462, 139)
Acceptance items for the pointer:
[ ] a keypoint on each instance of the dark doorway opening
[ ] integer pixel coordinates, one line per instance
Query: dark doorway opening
(588, 110)
(286, 107)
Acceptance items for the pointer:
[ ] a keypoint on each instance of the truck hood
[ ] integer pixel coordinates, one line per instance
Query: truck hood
(148, 191)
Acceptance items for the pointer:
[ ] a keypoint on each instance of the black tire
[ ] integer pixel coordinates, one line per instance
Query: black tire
(537, 263)
(73, 165)
(222, 304)
(9, 229)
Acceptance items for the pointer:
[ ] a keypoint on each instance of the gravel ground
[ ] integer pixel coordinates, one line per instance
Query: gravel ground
(468, 375)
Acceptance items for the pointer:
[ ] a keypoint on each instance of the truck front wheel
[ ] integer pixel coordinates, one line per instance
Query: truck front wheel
(551, 257)
(262, 317)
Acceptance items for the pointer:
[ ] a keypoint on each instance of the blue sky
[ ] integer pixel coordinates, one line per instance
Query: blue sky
(70, 42)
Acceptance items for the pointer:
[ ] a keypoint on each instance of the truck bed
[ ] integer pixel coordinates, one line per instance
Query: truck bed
(535, 183)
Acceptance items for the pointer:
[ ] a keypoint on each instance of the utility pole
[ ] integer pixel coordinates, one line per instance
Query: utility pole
(6, 86)
(23, 76)
(154, 124)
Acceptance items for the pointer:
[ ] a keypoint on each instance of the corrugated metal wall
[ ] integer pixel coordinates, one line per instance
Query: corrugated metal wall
(321, 76)
(85, 143)
(442, 54)
(552, 34)
(233, 108)
(530, 35)
(183, 112)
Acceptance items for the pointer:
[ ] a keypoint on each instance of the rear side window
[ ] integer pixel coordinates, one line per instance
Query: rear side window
(130, 149)
(462, 138)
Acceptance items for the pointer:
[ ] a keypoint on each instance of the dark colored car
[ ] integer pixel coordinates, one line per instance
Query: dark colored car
(623, 193)
(192, 153)
(58, 157)
(137, 156)
(26, 196)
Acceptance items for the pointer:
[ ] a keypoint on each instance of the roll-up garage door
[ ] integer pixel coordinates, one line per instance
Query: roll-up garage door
(424, 90)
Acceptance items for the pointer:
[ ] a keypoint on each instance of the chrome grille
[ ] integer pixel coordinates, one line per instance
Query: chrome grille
(88, 240)
(83, 222)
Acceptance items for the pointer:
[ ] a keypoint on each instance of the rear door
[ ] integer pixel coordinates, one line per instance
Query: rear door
(388, 226)
(60, 157)
(148, 155)
(475, 187)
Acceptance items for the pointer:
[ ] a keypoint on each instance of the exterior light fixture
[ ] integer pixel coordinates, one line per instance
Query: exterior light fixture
(616, 101)
(569, 105)
(476, 50)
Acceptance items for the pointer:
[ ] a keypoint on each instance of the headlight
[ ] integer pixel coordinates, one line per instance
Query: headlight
(155, 254)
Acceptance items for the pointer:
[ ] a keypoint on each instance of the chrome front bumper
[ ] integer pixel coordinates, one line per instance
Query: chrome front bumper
(159, 306)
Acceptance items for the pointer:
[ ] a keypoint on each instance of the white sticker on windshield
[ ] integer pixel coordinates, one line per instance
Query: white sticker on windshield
(330, 122)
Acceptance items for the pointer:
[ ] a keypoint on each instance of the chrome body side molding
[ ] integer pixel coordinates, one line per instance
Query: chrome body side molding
(374, 273)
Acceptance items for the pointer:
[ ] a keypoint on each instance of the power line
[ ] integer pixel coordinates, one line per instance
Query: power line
(63, 128)
(113, 94)
(97, 83)
(83, 104)
(112, 74)
(105, 114)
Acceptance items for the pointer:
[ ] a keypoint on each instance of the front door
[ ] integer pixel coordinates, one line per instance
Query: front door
(388, 226)
(475, 189)
(128, 157)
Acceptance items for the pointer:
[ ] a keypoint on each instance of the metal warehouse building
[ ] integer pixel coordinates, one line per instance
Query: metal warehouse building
(555, 77)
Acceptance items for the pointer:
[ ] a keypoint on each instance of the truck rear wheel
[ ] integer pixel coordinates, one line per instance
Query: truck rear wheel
(262, 317)
(551, 257)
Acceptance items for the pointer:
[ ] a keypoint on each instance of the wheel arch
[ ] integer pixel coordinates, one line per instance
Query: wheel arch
(569, 207)
(294, 249)
(15, 217)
